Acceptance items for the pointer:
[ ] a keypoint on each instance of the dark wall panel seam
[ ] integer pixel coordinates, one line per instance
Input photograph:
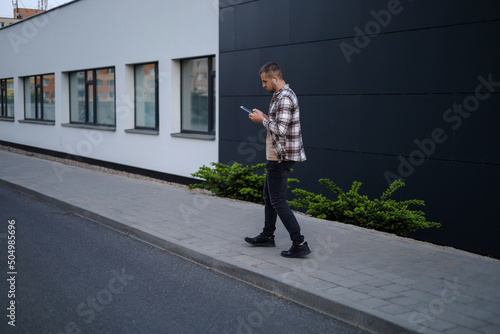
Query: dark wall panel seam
(353, 36)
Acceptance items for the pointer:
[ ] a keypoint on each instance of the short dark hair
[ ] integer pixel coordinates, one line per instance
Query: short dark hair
(271, 69)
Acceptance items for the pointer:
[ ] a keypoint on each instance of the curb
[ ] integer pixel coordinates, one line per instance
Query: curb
(342, 310)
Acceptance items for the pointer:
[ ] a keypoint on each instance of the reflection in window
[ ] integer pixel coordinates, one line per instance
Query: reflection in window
(92, 101)
(198, 95)
(105, 107)
(7, 98)
(77, 97)
(39, 97)
(146, 96)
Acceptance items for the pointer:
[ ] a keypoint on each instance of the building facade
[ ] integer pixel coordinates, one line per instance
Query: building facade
(134, 87)
(5, 21)
(19, 14)
(388, 90)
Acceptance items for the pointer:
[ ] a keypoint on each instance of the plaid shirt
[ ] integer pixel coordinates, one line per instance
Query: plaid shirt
(284, 125)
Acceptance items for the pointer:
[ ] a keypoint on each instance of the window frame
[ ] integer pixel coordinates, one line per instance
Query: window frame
(157, 99)
(40, 86)
(4, 98)
(211, 84)
(92, 82)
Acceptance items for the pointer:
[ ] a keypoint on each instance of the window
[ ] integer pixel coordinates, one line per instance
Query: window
(91, 102)
(198, 95)
(39, 98)
(7, 98)
(146, 96)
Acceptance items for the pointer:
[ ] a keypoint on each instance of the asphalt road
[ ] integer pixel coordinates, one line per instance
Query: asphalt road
(72, 275)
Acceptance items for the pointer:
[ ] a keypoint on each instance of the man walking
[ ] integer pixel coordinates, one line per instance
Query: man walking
(283, 148)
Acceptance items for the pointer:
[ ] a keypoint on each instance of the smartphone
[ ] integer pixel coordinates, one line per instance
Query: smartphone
(246, 109)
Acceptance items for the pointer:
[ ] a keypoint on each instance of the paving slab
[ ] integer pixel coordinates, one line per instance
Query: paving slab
(379, 282)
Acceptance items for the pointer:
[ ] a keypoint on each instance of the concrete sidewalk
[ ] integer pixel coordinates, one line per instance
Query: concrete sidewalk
(379, 282)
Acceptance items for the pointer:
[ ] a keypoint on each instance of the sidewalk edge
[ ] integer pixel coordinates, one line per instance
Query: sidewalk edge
(363, 318)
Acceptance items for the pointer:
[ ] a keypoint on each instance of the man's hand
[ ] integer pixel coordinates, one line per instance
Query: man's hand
(257, 116)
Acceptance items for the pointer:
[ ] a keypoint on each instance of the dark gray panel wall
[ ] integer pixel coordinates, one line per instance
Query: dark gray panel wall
(387, 89)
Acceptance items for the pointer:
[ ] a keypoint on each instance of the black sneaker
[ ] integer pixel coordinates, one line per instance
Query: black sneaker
(261, 240)
(297, 251)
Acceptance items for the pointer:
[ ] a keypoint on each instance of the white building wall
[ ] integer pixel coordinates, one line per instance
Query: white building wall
(87, 34)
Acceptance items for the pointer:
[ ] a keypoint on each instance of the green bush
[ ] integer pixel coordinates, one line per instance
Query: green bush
(234, 181)
(382, 214)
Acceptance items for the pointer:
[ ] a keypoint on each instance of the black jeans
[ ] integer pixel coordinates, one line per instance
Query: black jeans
(275, 189)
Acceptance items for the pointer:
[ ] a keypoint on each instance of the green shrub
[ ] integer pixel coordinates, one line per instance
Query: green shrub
(234, 181)
(382, 214)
